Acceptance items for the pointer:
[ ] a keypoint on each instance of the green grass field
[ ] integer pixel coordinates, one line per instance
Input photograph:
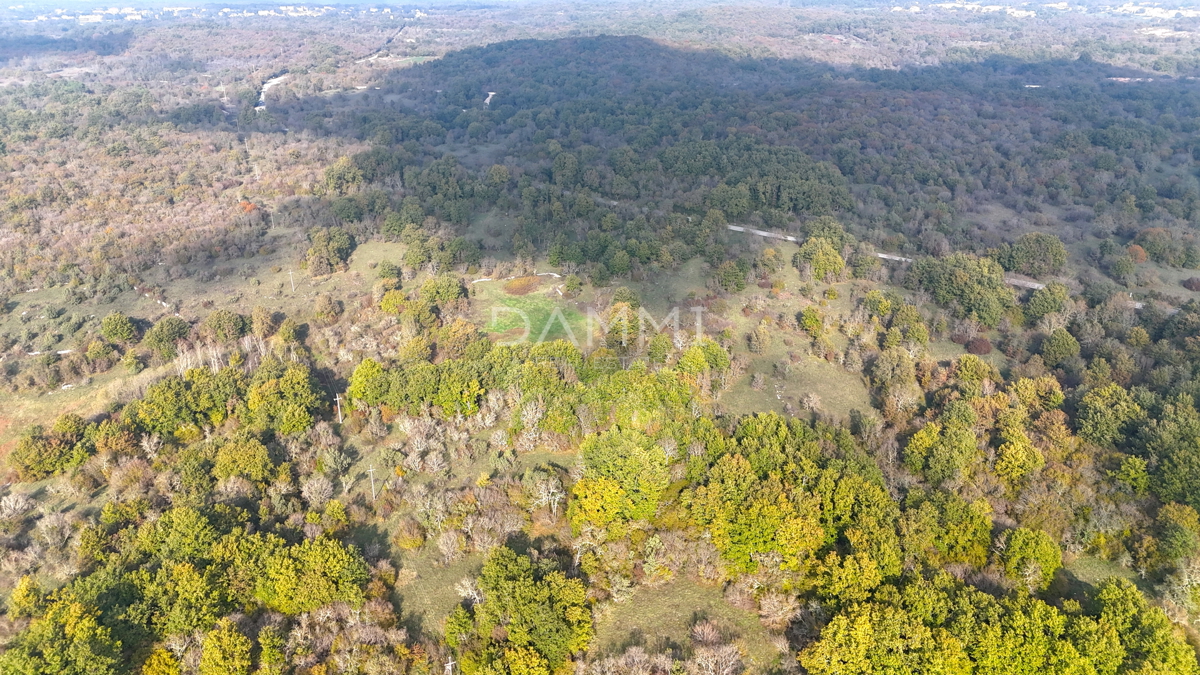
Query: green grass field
(426, 601)
(541, 315)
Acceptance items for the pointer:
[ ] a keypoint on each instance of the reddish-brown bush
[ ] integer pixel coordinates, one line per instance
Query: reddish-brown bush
(980, 346)
(1137, 253)
(1192, 284)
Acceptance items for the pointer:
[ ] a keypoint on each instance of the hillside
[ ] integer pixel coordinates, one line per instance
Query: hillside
(674, 338)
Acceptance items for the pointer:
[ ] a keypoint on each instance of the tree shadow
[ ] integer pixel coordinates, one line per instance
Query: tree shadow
(372, 540)
(102, 44)
(1067, 585)
(438, 101)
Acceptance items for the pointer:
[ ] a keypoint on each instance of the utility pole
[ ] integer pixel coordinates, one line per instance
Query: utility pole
(450, 667)
(293, 280)
(338, 398)
(371, 471)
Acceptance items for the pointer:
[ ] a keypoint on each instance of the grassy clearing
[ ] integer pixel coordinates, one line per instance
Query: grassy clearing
(1092, 570)
(18, 412)
(1167, 280)
(840, 391)
(427, 600)
(659, 619)
(375, 252)
(549, 318)
(1079, 577)
(668, 289)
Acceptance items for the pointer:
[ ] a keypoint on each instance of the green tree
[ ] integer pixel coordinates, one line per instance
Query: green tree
(821, 257)
(1052, 298)
(731, 200)
(393, 302)
(627, 296)
(1174, 441)
(246, 458)
(1059, 346)
(1035, 254)
(1133, 475)
(225, 651)
(282, 397)
(1178, 528)
(117, 327)
(99, 350)
(179, 599)
(829, 229)
(181, 534)
(626, 464)
(68, 640)
(40, 454)
(1104, 415)
(731, 277)
(161, 662)
(530, 620)
(262, 322)
(272, 655)
(329, 247)
(342, 177)
(565, 170)
(368, 384)
(973, 287)
(747, 517)
(1152, 644)
(442, 290)
(1031, 557)
(941, 452)
(313, 573)
(874, 638)
(164, 335)
(224, 326)
(847, 579)
(26, 598)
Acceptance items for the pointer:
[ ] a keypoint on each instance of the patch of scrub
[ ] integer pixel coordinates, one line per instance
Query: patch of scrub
(659, 619)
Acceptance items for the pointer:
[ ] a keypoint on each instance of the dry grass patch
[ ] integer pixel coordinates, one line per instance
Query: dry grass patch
(522, 285)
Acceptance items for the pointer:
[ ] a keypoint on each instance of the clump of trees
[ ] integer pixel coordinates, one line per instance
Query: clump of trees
(973, 287)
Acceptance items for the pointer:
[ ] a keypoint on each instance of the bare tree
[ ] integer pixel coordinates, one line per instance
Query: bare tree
(776, 610)
(468, 590)
(723, 660)
(548, 492)
(706, 633)
(14, 506)
(451, 544)
(317, 491)
(151, 444)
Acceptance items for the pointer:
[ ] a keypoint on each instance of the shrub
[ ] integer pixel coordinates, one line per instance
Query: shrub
(163, 336)
(40, 454)
(410, 536)
(1059, 347)
(224, 326)
(393, 302)
(117, 327)
(1192, 284)
(980, 346)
